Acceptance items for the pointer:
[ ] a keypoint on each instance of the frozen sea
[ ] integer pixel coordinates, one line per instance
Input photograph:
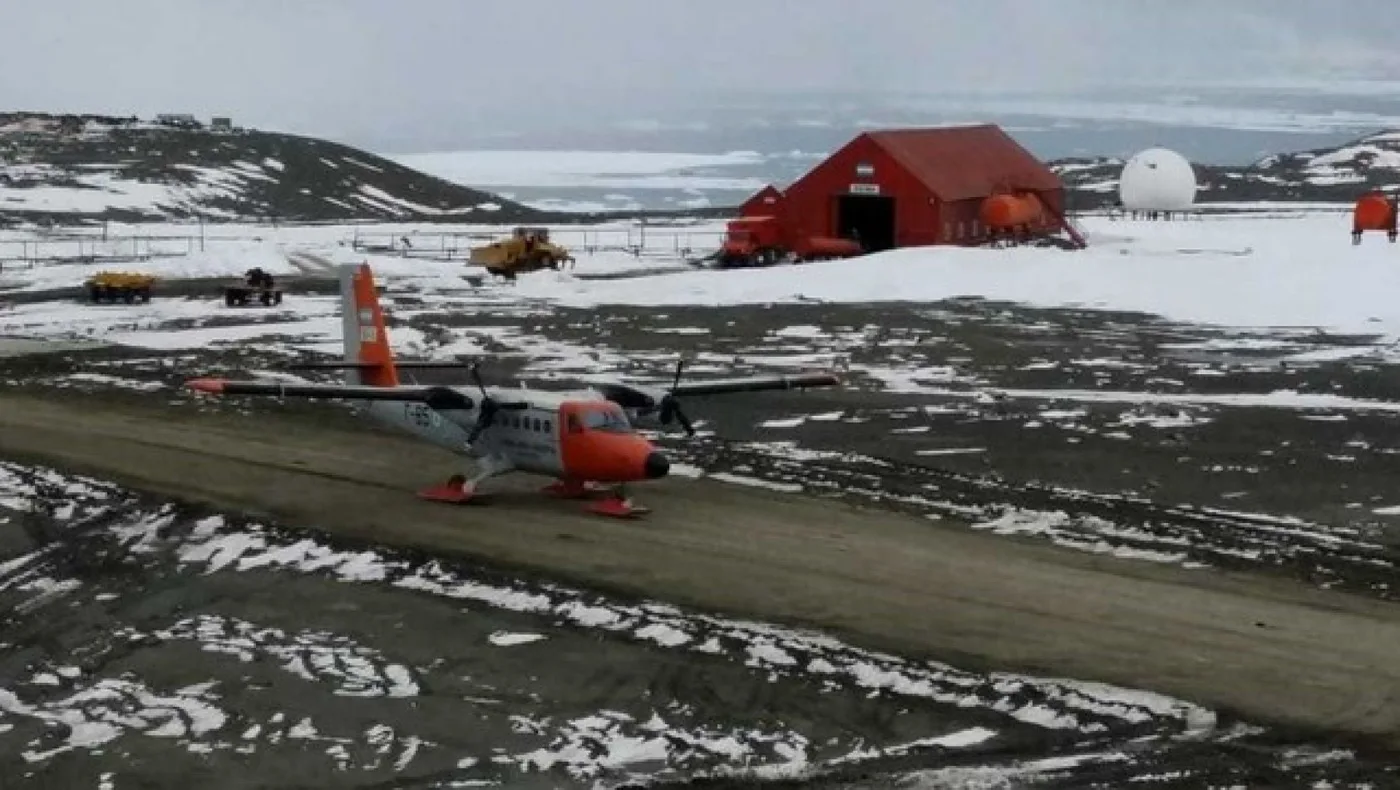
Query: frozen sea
(719, 150)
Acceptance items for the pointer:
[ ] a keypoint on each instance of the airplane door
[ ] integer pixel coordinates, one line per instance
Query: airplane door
(572, 439)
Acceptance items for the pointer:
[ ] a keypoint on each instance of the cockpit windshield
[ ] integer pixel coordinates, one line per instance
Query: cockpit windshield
(610, 420)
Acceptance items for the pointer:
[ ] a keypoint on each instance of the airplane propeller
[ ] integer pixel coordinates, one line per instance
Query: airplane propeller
(647, 400)
(671, 405)
(489, 407)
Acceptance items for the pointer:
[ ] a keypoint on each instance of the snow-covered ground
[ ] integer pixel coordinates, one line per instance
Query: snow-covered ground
(1229, 271)
(417, 249)
(1236, 271)
(117, 238)
(222, 260)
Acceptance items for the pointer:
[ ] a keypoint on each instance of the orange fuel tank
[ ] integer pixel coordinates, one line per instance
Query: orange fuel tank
(1373, 212)
(1010, 211)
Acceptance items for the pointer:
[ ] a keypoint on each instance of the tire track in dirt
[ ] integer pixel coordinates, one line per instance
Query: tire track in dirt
(1328, 556)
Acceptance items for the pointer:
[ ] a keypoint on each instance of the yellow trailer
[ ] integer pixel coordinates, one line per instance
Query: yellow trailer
(126, 287)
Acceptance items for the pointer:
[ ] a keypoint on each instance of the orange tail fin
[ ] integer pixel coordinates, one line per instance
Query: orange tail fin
(366, 339)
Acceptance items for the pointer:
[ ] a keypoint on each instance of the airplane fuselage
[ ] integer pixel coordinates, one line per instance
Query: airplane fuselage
(574, 435)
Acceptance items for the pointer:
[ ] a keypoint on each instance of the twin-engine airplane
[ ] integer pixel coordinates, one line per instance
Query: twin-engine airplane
(584, 439)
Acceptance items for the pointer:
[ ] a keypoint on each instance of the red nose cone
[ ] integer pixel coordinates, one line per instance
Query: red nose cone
(206, 385)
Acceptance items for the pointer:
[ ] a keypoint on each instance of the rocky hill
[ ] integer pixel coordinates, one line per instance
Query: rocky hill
(1337, 174)
(72, 168)
(66, 168)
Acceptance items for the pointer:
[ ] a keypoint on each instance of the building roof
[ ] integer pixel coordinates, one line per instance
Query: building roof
(767, 191)
(962, 162)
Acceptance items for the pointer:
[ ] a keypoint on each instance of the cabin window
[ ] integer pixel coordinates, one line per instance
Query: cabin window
(609, 420)
(536, 424)
(546, 426)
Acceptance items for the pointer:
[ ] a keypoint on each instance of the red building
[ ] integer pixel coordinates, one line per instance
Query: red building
(766, 202)
(912, 187)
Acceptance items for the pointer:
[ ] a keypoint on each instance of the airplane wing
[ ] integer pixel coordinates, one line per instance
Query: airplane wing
(412, 364)
(638, 396)
(755, 384)
(644, 400)
(435, 396)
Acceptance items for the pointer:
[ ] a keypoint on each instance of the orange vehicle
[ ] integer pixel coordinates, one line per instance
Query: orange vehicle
(763, 241)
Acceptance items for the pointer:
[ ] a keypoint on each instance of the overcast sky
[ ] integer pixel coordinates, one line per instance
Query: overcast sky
(370, 70)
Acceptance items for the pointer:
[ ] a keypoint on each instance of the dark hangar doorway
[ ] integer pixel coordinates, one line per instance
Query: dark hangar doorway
(868, 219)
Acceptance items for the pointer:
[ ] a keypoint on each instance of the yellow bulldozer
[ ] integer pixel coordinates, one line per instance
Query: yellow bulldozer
(526, 250)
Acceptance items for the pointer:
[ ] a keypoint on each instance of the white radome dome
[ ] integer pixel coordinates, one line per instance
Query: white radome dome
(1157, 180)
